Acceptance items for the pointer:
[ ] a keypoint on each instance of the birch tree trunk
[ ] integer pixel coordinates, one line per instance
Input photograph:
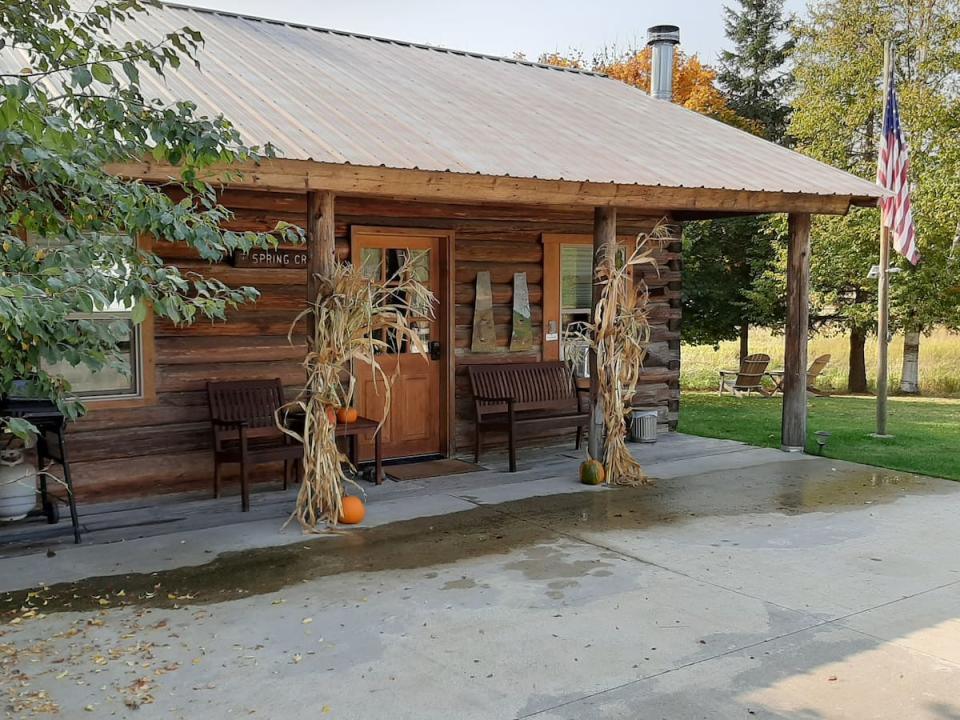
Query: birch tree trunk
(910, 376)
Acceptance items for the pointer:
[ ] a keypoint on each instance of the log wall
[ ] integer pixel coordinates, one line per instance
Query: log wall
(165, 447)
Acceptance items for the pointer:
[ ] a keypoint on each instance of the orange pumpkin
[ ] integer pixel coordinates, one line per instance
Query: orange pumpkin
(591, 472)
(353, 510)
(347, 415)
(331, 414)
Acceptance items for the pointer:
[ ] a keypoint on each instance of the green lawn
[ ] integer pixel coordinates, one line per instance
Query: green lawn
(927, 431)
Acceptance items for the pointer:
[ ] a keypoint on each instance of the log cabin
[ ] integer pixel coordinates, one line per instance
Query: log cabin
(483, 165)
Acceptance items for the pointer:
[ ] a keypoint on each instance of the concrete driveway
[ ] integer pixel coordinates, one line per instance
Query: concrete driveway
(758, 588)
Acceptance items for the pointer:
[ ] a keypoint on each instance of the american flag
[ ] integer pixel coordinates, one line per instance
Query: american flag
(893, 173)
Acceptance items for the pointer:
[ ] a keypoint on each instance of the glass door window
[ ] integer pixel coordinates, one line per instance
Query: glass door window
(385, 265)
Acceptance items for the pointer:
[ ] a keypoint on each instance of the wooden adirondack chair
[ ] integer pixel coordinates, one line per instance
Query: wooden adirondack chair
(748, 379)
(814, 371)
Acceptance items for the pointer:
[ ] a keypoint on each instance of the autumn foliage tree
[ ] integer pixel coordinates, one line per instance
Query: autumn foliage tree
(694, 83)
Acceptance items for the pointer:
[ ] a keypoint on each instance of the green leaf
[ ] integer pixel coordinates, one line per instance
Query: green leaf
(102, 73)
(139, 313)
(130, 70)
(23, 429)
(82, 77)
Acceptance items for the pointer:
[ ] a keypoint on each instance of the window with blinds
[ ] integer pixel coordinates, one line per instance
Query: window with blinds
(576, 300)
(576, 266)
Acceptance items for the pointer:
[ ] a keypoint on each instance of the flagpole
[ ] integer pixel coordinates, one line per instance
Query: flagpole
(883, 290)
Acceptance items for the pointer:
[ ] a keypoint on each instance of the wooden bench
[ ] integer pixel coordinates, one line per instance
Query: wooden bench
(526, 396)
(245, 430)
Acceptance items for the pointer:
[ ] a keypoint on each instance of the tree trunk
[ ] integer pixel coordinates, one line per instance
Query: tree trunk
(910, 376)
(857, 374)
(744, 339)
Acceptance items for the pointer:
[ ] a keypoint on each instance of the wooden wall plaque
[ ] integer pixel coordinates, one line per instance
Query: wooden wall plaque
(521, 336)
(484, 332)
(285, 258)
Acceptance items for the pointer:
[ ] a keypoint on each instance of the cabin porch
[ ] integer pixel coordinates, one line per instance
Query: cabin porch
(190, 528)
(161, 443)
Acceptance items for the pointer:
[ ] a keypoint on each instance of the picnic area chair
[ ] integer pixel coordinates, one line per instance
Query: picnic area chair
(748, 379)
(814, 371)
(245, 430)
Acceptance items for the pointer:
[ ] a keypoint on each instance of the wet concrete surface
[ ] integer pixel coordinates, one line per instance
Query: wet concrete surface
(809, 589)
(787, 488)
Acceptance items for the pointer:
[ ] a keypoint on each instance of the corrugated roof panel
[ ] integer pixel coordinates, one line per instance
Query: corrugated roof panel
(342, 98)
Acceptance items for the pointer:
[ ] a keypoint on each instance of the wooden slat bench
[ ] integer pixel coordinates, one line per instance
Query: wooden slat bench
(245, 430)
(526, 396)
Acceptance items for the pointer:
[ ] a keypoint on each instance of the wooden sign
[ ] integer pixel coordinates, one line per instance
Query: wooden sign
(288, 258)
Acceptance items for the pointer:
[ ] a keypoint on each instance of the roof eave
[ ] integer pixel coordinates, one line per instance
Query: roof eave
(446, 186)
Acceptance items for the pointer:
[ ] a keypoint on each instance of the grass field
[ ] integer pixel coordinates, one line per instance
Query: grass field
(939, 361)
(926, 431)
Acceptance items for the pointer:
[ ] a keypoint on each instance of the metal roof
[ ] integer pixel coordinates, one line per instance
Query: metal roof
(338, 97)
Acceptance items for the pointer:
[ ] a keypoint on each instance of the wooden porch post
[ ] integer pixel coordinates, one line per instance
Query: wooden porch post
(604, 251)
(321, 243)
(794, 425)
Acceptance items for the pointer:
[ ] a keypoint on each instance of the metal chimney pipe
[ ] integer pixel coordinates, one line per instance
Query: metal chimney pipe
(662, 38)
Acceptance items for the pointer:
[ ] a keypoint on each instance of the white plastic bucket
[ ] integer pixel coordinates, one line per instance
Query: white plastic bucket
(18, 485)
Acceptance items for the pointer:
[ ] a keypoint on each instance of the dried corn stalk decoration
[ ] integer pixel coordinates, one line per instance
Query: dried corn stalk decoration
(352, 320)
(620, 334)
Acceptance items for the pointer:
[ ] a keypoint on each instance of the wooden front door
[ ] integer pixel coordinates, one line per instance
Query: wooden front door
(413, 426)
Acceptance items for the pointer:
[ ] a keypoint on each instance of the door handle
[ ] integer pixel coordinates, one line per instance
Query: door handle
(435, 349)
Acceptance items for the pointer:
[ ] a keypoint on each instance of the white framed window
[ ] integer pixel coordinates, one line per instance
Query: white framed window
(568, 296)
(120, 380)
(576, 286)
(128, 379)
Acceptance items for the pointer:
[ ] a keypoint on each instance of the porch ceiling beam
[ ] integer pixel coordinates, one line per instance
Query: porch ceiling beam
(303, 176)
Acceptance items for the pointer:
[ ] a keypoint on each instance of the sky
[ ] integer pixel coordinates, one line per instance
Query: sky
(502, 27)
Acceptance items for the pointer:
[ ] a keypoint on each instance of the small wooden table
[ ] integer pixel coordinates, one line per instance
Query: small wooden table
(776, 376)
(350, 431)
(363, 426)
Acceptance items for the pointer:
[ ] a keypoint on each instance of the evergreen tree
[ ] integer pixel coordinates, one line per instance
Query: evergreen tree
(724, 259)
(753, 73)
